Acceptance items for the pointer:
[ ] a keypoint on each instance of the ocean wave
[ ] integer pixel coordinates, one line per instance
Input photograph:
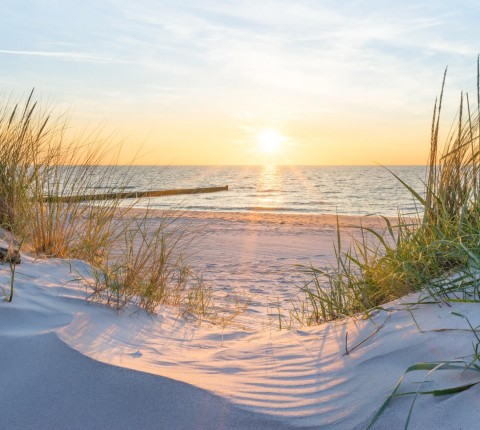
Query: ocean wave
(354, 190)
(310, 203)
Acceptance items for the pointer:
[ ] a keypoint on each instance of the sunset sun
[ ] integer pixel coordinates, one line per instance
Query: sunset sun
(270, 141)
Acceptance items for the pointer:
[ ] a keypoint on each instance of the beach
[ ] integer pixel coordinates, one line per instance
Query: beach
(261, 255)
(71, 363)
(239, 215)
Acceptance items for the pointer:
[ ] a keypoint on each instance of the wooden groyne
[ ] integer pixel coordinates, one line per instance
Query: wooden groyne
(133, 195)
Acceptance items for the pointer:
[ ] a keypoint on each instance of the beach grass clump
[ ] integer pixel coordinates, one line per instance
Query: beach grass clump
(148, 267)
(38, 167)
(24, 146)
(63, 226)
(147, 264)
(138, 259)
(417, 251)
(203, 303)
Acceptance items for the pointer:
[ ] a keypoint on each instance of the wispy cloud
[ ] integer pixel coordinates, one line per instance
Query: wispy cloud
(67, 56)
(307, 56)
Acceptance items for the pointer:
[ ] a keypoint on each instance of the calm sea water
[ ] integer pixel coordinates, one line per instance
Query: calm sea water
(354, 190)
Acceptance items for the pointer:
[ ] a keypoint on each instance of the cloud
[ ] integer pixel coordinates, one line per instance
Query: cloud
(67, 56)
(279, 58)
(308, 56)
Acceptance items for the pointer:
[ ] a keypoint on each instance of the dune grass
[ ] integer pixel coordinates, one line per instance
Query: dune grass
(140, 259)
(147, 264)
(435, 250)
(451, 230)
(36, 160)
(414, 251)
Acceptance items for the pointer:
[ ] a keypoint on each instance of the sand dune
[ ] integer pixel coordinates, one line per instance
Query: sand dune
(67, 363)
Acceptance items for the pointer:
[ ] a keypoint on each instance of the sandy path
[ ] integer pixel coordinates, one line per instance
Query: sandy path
(258, 255)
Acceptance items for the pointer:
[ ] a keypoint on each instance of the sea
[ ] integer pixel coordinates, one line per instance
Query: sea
(346, 190)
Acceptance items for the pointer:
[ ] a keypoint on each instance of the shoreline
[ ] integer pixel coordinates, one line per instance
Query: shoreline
(305, 220)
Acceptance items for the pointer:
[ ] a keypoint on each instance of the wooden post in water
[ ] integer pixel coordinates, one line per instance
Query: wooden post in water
(133, 195)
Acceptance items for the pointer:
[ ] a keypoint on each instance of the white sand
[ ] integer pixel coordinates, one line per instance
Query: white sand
(66, 363)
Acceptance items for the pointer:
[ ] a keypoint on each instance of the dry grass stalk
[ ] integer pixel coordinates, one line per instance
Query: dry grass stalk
(134, 259)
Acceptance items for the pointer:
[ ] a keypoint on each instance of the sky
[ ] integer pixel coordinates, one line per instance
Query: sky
(248, 81)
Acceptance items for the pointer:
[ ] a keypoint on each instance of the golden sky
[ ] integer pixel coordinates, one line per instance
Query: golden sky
(246, 82)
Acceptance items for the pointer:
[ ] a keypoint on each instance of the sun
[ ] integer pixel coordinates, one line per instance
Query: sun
(270, 141)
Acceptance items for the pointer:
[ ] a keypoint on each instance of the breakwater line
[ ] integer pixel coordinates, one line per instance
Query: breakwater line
(133, 194)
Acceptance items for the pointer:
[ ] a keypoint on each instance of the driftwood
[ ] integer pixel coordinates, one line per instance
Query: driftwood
(9, 255)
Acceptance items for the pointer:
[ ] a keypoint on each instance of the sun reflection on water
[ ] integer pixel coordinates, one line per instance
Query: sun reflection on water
(269, 194)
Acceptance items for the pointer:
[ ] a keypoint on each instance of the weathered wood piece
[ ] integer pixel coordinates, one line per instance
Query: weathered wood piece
(9, 255)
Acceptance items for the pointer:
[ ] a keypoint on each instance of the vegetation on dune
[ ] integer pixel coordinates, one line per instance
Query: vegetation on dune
(448, 240)
(436, 250)
(416, 251)
(140, 260)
